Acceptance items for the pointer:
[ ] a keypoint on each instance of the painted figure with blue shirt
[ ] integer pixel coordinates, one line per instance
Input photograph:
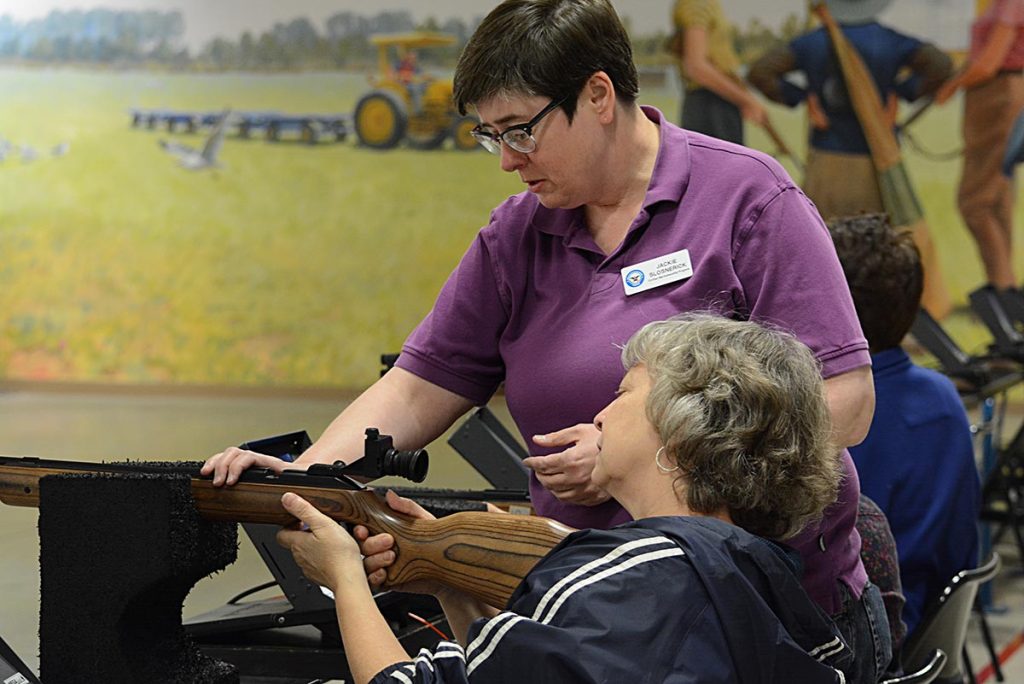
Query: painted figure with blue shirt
(840, 175)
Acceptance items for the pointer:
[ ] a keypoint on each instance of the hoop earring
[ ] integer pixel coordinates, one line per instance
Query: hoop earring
(657, 462)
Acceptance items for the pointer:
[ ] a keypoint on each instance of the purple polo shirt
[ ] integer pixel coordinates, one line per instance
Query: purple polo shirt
(535, 304)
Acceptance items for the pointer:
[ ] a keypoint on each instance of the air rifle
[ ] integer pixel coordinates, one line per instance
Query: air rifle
(485, 555)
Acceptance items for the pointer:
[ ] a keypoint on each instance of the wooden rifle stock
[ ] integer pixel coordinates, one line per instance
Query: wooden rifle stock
(485, 555)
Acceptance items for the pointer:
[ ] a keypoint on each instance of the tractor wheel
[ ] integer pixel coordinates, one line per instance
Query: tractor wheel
(462, 134)
(427, 131)
(427, 140)
(380, 120)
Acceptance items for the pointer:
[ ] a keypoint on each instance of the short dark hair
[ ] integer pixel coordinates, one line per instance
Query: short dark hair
(545, 47)
(883, 269)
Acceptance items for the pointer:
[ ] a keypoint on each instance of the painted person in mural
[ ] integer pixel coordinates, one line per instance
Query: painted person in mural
(693, 447)
(993, 97)
(625, 219)
(715, 101)
(840, 176)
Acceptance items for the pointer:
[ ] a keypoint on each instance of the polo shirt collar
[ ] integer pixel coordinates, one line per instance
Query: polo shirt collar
(889, 361)
(669, 179)
(672, 165)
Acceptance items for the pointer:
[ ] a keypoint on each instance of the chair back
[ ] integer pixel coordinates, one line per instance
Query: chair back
(944, 626)
(927, 674)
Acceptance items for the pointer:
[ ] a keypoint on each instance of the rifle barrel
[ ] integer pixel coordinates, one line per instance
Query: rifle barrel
(485, 555)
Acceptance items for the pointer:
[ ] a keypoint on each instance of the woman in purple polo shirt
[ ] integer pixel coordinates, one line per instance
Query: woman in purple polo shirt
(625, 219)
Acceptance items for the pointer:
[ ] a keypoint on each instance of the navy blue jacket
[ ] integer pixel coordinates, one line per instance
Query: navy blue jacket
(661, 600)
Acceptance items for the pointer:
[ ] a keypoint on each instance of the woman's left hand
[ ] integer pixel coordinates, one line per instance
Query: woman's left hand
(327, 554)
(816, 113)
(566, 474)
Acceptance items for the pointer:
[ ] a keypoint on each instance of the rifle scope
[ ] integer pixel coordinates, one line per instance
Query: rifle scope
(381, 458)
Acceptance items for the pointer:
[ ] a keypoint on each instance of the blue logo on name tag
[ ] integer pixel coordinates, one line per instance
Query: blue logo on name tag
(635, 278)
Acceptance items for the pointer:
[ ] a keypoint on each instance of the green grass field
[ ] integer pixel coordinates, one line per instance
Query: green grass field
(292, 265)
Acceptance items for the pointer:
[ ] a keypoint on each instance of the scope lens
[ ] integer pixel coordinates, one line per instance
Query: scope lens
(411, 465)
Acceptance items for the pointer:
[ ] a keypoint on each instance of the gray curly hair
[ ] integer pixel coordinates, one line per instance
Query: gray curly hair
(741, 409)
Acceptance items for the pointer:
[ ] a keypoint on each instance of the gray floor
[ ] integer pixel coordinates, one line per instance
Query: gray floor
(1006, 620)
(93, 427)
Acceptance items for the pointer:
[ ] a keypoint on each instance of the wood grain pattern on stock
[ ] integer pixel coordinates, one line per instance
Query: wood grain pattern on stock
(485, 555)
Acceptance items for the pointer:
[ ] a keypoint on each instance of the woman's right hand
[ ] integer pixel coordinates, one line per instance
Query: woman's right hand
(228, 465)
(379, 549)
(816, 113)
(754, 112)
(947, 91)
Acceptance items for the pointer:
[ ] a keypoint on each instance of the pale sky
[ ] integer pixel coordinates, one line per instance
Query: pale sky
(943, 21)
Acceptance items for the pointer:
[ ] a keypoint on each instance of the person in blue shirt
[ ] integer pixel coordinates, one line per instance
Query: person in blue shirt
(917, 462)
(840, 178)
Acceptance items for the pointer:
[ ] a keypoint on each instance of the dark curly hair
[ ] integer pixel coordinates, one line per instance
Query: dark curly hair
(883, 270)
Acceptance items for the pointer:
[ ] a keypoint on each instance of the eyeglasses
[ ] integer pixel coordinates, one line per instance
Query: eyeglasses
(519, 137)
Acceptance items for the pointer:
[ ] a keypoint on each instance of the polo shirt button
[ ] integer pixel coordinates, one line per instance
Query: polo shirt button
(821, 543)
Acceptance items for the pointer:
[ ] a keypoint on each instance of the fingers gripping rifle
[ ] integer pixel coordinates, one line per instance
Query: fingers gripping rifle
(485, 555)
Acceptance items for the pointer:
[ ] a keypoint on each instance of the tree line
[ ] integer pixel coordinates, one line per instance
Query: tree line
(148, 38)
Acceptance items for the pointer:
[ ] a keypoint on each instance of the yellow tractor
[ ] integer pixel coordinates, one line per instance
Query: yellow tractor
(406, 104)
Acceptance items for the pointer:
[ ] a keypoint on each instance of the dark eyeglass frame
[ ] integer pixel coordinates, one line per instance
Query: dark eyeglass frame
(492, 141)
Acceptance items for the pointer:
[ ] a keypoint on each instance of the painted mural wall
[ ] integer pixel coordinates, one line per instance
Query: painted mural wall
(184, 198)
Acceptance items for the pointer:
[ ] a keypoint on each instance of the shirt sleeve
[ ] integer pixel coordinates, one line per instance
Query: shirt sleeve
(446, 664)
(693, 13)
(768, 74)
(792, 279)
(930, 66)
(1009, 12)
(457, 345)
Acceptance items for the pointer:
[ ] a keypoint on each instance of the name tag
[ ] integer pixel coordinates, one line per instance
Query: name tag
(656, 272)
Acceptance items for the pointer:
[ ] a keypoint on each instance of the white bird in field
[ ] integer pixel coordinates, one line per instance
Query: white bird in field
(60, 149)
(200, 159)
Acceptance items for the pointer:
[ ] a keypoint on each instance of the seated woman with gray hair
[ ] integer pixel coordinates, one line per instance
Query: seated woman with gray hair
(718, 445)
